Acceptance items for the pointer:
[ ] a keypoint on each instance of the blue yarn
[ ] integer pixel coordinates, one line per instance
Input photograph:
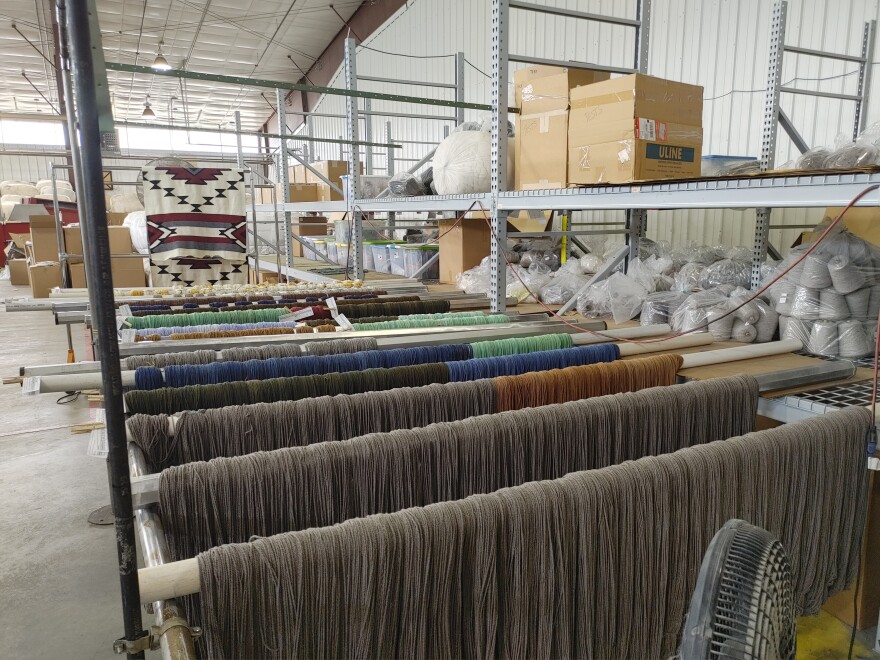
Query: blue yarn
(242, 303)
(288, 301)
(218, 327)
(313, 299)
(218, 304)
(190, 305)
(148, 378)
(307, 365)
(266, 302)
(513, 365)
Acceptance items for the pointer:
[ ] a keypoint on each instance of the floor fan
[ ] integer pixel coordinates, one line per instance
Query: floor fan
(742, 606)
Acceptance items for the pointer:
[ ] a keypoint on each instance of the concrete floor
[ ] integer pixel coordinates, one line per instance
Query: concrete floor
(58, 573)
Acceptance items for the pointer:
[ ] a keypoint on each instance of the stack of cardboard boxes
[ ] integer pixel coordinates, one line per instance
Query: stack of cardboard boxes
(16, 259)
(127, 267)
(578, 126)
(305, 186)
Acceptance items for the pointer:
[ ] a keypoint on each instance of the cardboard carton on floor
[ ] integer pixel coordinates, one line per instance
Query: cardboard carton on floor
(44, 238)
(43, 277)
(634, 128)
(18, 272)
(462, 246)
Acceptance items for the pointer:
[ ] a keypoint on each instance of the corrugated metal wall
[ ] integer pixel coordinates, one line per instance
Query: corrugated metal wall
(720, 44)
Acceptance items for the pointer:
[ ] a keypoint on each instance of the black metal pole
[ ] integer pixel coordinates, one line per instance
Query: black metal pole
(94, 230)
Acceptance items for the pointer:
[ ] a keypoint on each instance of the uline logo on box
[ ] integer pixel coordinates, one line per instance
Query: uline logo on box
(668, 152)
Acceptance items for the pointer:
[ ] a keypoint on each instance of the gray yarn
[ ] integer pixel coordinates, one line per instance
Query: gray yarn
(720, 326)
(334, 346)
(853, 342)
(815, 274)
(805, 304)
(871, 331)
(796, 329)
(832, 305)
(785, 297)
(857, 302)
(325, 483)
(744, 333)
(596, 564)
(823, 338)
(167, 359)
(767, 323)
(242, 353)
(845, 276)
(874, 302)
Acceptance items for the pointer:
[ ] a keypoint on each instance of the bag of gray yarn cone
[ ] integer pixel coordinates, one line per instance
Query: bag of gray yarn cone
(857, 302)
(767, 323)
(805, 304)
(852, 340)
(815, 274)
(832, 305)
(744, 333)
(874, 302)
(845, 275)
(823, 338)
(785, 296)
(720, 326)
(871, 331)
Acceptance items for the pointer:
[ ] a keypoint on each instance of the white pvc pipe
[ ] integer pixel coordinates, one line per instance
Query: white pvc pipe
(75, 382)
(741, 353)
(673, 344)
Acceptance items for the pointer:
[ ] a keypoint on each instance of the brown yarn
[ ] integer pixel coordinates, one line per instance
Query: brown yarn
(597, 564)
(325, 328)
(221, 334)
(201, 435)
(302, 329)
(205, 300)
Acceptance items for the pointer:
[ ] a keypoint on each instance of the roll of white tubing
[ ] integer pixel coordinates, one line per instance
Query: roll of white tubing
(741, 353)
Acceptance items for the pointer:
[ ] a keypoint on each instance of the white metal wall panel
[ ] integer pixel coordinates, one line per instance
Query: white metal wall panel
(719, 44)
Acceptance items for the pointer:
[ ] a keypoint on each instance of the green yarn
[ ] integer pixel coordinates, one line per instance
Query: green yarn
(206, 318)
(516, 345)
(445, 320)
(446, 315)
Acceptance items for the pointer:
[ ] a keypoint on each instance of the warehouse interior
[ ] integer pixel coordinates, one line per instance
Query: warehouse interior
(440, 328)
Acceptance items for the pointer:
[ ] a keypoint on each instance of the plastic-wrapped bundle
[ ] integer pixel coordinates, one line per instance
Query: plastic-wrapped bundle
(768, 321)
(785, 296)
(462, 164)
(660, 306)
(857, 302)
(853, 155)
(726, 271)
(815, 274)
(688, 276)
(427, 179)
(722, 324)
(813, 159)
(404, 184)
(693, 312)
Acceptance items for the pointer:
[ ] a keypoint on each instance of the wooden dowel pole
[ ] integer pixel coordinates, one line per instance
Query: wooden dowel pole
(172, 580)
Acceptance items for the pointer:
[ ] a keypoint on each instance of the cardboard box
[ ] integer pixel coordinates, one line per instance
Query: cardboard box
(634, 128)
(116, 219)
(332, 169)
(303, 192)
(463, 246)
(546, 88)
(127, 272)
(297, 174)
(120, 240)
(44, 238)
(43, 277)
(308, 225)
(864, 222)
(542, 151)
(18, 272)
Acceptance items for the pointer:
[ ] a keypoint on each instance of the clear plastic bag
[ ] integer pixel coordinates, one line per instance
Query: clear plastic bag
(660, 306)
(625, 297)
(726, 271)
(563, 286)
(404, 184)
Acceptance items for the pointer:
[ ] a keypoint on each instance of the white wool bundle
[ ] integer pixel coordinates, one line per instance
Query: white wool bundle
(23, 189)
(125, 203)
(136, 221)
(15, 199)
(462, 163)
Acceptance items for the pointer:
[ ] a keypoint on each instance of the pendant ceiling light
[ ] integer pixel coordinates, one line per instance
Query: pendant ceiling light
(160, 63)
(148, 111)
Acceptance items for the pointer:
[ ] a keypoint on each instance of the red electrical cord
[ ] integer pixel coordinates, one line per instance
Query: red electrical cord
(705, 325)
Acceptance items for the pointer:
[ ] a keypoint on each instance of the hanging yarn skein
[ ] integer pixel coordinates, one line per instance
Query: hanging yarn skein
(236, 430)
(492, 575)
(180, 375)
(169, 400)
(205, 318)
